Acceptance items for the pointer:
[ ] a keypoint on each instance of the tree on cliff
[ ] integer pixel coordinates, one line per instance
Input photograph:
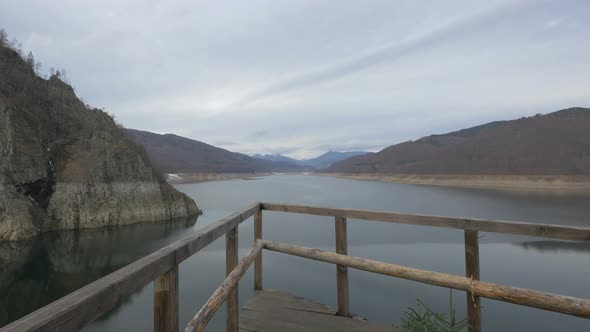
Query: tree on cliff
(30, 60)
(3, 38)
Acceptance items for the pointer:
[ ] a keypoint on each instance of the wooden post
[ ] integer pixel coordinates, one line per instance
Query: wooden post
(231, 261)
(342, 271)
(166, 301)
(472, 272)
(258, 259)
(199, 322)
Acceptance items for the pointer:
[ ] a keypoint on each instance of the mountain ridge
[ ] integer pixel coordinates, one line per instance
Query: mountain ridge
(174, 154)
(554, 143)
(320, 162)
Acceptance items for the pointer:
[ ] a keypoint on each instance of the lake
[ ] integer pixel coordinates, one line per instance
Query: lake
(37, 272)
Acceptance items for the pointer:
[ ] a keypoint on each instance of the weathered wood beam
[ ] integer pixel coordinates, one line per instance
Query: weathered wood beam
(231, 261)
(472, 272)
(341, 270)
(166, 301)
(507, 227)
(73, 311)
(199, 322)
(547, 301)
(258, 260)
(188, 246)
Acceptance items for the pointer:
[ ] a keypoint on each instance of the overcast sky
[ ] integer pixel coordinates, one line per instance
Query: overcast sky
(303, 77)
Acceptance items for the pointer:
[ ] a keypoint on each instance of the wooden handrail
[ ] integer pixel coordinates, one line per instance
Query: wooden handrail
(199, 322)
(506, 227)
(547, 301)
(73, 311)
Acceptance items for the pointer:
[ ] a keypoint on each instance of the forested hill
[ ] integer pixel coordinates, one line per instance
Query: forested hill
(320, 162)
(554, 143)
(176, 154)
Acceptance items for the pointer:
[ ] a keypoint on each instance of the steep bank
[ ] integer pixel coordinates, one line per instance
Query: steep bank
(517, 182)
(64, 165)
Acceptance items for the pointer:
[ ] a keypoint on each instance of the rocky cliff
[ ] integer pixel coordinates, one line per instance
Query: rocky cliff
(64, 165)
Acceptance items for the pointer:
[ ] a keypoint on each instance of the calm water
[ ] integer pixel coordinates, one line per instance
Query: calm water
(37, 272)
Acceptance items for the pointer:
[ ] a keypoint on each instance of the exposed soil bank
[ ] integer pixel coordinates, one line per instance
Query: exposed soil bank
(523, 182)
(205, 177)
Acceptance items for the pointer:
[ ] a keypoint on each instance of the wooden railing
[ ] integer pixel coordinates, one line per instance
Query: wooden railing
(73, 311)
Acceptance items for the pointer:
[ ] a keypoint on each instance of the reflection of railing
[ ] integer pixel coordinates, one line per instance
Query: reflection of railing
(80, 307)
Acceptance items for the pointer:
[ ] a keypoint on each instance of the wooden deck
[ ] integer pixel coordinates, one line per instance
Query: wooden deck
(277, 311)
(273, 310)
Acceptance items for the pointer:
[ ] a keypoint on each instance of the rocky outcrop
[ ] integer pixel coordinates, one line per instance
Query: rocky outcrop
(64, 165)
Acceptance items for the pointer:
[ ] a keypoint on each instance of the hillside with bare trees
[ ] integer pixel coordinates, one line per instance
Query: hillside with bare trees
(552, 144)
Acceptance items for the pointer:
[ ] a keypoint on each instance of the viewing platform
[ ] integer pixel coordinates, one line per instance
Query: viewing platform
(273, 310)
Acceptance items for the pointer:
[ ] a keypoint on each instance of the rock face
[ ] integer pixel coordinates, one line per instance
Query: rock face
(66, 166)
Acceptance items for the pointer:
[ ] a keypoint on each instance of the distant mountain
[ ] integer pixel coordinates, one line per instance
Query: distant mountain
(555, 143)
(176, 154)
(320, 162)
(277, 157)
(331, 157)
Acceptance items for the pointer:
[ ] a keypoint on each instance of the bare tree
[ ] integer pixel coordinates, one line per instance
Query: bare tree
(3, 38)
(15, 45)
(38, 66)
(64, 77)
(30, 60)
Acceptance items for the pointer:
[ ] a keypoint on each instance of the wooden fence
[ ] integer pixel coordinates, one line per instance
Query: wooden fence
(73, 311)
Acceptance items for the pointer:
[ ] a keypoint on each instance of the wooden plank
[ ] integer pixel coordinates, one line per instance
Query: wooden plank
(341, 270)
(199, 322)
(188, 246)
(506, 227)
(278, 312)
(231, 261)
(269, 299)
(258, 260)
(293, 320)
(73, 311)
(472, 272)
(166, 301)
(546, 301)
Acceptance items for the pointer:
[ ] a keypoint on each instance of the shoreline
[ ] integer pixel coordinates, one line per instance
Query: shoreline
(564, 183)
(208, 177)
(575, 183)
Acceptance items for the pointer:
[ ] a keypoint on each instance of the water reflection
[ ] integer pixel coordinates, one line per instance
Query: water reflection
(555, 246)
(66, 262)
(40, 271)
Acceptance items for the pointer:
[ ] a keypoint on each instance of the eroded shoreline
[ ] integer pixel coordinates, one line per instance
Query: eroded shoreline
(509, 182)
(207, 177)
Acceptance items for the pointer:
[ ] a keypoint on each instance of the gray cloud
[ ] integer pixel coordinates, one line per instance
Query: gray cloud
(303, 77)
(258, 134)
(441, 33)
